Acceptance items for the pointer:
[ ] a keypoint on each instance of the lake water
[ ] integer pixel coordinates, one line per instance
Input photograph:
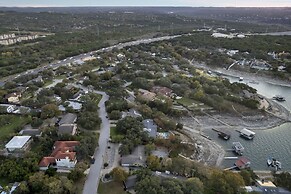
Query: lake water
(275, 142)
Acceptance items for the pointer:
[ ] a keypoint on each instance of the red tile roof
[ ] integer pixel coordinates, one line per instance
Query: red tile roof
(62, 149)
(46, 161)
(63, 155)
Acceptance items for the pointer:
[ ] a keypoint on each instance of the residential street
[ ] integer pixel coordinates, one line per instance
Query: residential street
(92, 182)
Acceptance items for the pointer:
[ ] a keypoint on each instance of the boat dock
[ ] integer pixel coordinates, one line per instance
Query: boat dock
(231, 158)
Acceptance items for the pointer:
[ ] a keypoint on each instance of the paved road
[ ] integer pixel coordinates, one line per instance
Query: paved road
(92, 182)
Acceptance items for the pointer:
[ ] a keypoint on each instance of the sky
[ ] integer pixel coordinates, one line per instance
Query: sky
(193, 3)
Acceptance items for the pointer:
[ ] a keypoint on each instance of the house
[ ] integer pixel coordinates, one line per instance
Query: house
(266, 187)
(31, 132)
(150, 127)
(18, 144)
(130, 182)
(36, 80)
(162, 91)
(13, 97)
(76, 106)
(69, 118)
(63, 156)
(67, 124)
(131, 113)
(7, 108)
(146, 95)
(136, 159)
(70, 129)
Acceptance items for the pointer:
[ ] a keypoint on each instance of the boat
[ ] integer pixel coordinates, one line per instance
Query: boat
(238, 148)
(274, 163)
(240, 79)
(248, 134)
(224, 135)
(279, 98)
(269, 161)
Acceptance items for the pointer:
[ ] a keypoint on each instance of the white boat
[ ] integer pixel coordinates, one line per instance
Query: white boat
(240, 79)
(269, 161)
(248, 134)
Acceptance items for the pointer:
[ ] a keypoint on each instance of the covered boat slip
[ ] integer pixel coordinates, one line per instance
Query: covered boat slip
(248, 134)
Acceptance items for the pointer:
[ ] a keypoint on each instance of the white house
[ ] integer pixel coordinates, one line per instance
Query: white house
(63, 156)
(18, 143)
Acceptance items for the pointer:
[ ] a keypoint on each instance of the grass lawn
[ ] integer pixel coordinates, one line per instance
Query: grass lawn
(96, 97)
(111, 188)
(113, 131)
(9, 124)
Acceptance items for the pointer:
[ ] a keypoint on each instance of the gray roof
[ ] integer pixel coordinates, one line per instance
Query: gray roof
(32, 132)
(69, 118)
(130, 182)
(136, 157)
(66, 129)
(150, 127)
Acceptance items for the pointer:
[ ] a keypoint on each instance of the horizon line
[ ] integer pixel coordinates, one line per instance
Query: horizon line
(136, 6)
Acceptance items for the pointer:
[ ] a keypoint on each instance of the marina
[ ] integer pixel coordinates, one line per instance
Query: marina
(274, 141)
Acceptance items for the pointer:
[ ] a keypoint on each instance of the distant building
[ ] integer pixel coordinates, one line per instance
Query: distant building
(18, 144)
(63, 156)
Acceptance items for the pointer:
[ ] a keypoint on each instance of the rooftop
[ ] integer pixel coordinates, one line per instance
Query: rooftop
(69, 118)
(150, 127)
(17, 142)
(247, 132)
(265, 183)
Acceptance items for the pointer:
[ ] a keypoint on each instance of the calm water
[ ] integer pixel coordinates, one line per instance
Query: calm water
(275, 142)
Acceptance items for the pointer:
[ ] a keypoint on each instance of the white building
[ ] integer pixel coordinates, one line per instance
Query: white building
(18, 143)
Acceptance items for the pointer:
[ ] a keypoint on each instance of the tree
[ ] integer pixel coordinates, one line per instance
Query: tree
(119, 174)
(89, 120)
(115, 115)
(149, 184)
(224, 182)
(49, 111)
(153, 162)
(172, 186)
(193, 186)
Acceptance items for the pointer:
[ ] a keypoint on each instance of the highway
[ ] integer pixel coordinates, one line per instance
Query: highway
(84, 55)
